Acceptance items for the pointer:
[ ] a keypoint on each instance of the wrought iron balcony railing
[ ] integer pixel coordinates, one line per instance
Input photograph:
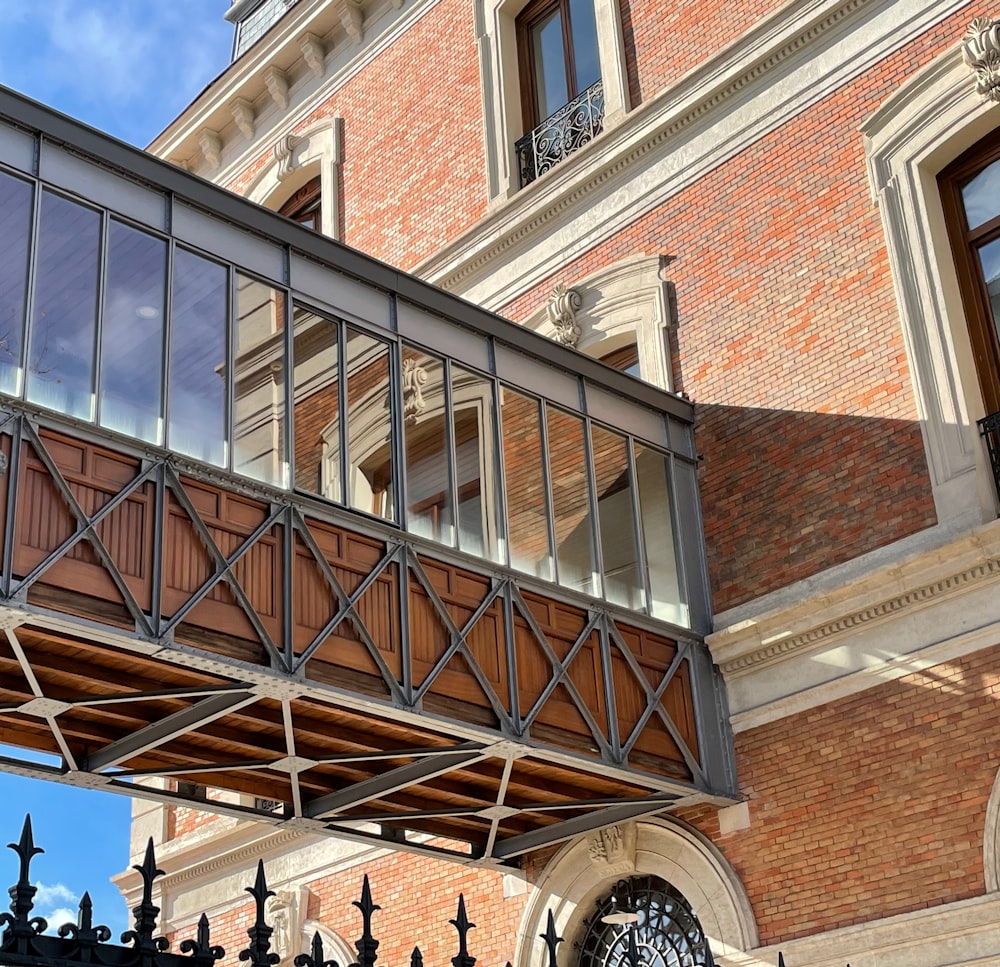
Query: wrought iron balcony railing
(559, 135)
(989, 428)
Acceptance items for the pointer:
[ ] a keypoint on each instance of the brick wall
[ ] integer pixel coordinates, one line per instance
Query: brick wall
(870, 806)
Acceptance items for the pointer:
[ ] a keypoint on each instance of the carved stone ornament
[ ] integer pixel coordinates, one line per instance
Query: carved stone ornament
(414, 378)
(211, 147)
(561, 309)
(281, 915)
(613, 850)
(981, 52)
(283, 152)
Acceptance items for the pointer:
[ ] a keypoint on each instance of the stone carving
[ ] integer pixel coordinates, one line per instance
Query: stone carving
(414, 378)
(561, 309)
(283, 152)
(243, 115)
(612, 849)
(281, 915)
(276, 81)
(211, 147)
(352, 20)
(981, 52)
(314, 54)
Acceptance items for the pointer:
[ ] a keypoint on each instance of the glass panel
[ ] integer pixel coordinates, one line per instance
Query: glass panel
(652, 470)
(369, 425)
(549, 61)
(132, 334)
(317, 406)
(623, 582)
(476, 464)
(524, 473)
(989, 259)
(571, 502)
(981, 196)
(15, 234)
(64, 315)
(197, 391)
(259, 374)
(583, 27)
(429, 502)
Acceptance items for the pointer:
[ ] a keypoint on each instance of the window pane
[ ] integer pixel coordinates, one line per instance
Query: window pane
(982, 196)
(317, 406)
(571, 502)
(652, 476)
(259, 373)
(549, 61)
(197, 391)
(15, 233)
(64, 316)
(132, 334)
(622, 581)
(583, 27)
(476, 464)
(989, 259)
(524, 472)
(369, 425)
(429, 503)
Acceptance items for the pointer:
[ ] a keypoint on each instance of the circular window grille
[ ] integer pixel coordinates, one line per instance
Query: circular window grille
(666, 934)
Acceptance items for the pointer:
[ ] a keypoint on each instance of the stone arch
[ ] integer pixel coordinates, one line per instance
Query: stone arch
(334, 946)
(991, 839)
(297, 159)
(574, 879)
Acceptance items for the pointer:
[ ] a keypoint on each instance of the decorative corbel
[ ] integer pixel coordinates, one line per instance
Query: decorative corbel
(414, 378)
(561, 309)
(352, 19)
(244, 116)
(283, 152)
(314, 54)
(277, 86)
(211, 147)
(981, 52)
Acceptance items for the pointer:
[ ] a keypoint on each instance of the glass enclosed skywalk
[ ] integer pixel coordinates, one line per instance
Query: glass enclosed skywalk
(328, 524)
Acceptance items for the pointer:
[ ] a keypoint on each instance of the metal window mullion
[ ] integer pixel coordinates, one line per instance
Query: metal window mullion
(29, 302)
(640, 540)
(229, 400)
(677, 531)
(288, 371)
(597, 551)
(450, 447)
(397, 442)
(343, 431)
(498, 469)
(98, 350)
(550, 514)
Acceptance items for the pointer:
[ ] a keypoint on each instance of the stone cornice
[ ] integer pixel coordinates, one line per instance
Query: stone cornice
(705, 96)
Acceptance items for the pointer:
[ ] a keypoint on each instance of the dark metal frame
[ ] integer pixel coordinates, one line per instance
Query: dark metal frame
(989, 430)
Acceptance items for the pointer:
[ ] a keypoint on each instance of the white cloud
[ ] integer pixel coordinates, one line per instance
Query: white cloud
(59, 916)
(57, 903)
(57, 893)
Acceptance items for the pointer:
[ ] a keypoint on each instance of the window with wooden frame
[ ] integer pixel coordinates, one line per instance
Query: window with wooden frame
(304, 205)
(970, 194)
(625, 359)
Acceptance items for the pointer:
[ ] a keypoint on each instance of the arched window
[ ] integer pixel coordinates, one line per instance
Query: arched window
(666, 932)
(304, 206)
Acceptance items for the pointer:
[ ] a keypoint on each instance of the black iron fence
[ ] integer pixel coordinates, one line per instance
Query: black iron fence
(989, 428)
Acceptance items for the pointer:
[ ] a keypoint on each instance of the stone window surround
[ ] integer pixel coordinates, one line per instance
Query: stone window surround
(496, 38)
(927, 123)
(300, 158)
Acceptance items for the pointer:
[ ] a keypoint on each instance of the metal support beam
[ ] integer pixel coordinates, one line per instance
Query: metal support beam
(201, 713)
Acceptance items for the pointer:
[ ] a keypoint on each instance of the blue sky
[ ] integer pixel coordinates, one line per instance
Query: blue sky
(127, 67)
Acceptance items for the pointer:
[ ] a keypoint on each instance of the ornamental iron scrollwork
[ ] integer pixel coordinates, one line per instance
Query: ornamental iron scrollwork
(559, 135)
(665, 931)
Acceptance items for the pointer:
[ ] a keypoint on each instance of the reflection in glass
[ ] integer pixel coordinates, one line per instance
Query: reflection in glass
(259, 375)
(574, 524)
(524, 475)
(652, 470)
(622, 580)
(549, 58)
(981, 196)
(583, 26)
(476, 464)
(132, 334)
(64, 316)
(369, 426)
(196, 402)
(317, 406)
(429, 502)
(989, 259)
(15, 233)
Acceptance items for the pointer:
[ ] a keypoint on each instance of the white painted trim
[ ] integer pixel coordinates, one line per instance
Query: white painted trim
(789, 61)
(501, 89)
(574, 879)
(923, 126)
